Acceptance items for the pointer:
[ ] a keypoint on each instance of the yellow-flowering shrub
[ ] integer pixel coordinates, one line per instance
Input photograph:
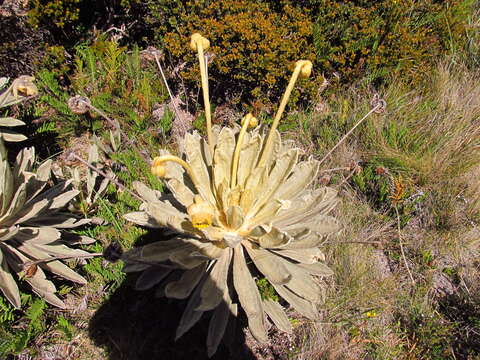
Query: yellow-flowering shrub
(251, 42)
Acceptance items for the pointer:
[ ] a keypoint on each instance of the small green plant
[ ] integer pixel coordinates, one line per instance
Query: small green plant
(93, 184)
(116, 81)
(17, 341)
(66, 328)
(266, 290)
(6, 311)
(430, 333)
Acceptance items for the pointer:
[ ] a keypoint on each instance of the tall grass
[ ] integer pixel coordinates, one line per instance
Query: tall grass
(429, 137)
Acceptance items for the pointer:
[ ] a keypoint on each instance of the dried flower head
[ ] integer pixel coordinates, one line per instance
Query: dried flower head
(79, 104)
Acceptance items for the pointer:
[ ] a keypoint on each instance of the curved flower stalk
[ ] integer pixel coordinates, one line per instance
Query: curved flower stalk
(34, 230)
(20, 89)
(245, 208)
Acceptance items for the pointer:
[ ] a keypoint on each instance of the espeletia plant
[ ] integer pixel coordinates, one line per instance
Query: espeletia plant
(34, 228)
(21, 89)
(243, 207)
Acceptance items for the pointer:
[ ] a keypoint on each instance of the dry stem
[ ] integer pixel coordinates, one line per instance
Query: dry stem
(401, 246)
(113, 180)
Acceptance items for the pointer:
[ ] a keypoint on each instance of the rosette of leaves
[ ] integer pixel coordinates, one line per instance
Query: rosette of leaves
(241, 206)
(93, 185)
(20, 89)
(34, 229)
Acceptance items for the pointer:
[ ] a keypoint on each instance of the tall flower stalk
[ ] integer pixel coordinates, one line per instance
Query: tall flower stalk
(243, 208)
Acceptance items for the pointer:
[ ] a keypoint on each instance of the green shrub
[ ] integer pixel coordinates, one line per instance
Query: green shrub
(71, 21)
(59, 13)
(255, 44)
(115, 80)
(382, 37)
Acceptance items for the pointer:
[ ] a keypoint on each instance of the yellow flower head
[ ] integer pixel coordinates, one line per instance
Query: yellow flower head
(199, 39)
(252, 120)
(201, 213)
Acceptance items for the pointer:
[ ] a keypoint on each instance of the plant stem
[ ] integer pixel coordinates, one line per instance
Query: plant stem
(161, 159)
(268, 145)
(349, 133)
(177, 113)
(113, 180)
(401, 246)
(236, 154)
(335, 169)
(206, 100)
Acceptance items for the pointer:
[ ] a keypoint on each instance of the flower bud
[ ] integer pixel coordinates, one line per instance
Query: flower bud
(24, 86)
(306, 68)
(79, 104)
(199, 39)
(159, 171)
(252, 120)
(157, 168)
(201, 213)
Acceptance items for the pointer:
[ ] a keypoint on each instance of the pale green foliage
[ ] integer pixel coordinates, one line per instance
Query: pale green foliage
(32, 226)
(66, 328)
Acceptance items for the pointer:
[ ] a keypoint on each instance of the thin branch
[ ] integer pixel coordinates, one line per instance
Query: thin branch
(336, 169)
(347, 178)
(112, 123)
(177, 113)
(378, 106)
(113, 180)
(401, 246)
(358, 242)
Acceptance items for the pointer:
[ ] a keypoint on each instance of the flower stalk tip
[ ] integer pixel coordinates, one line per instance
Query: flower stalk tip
(196, 40)
(159, 169)
(199, 43)
(303, 68)
(251, 121)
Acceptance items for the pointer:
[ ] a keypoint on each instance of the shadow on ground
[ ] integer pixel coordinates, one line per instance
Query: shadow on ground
(134, 325)
(464, 312)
